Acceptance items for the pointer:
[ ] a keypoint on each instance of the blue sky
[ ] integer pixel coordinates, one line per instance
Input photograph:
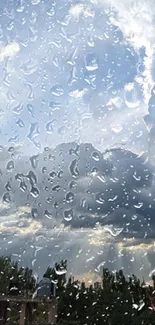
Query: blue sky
(75, 71)
(51, 44)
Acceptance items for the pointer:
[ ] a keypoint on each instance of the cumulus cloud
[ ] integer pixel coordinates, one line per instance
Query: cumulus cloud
(76, 194)
(9, 50)
(91, 204)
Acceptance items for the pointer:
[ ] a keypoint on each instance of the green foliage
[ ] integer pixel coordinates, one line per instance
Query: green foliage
(11, 272)
(118, 301)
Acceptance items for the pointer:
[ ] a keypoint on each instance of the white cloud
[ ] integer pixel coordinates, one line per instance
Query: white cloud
(10, 50)
(77, 93)
(79, 9)
(17, 221)
(136, 20)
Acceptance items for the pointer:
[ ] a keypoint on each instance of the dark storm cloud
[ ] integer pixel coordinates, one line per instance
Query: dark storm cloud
(78, 186)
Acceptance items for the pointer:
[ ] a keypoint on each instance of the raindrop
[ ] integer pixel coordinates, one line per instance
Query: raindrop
(20, 123)
(56, 188)
(19, 176)
(18, 108)
(90, 41)
(30, 108)
(69, 197)
(23, 186)
(60, 271)
(141, 305)
(34, 161)
(134, 217)
(137, 178)
(96, 156)
(117, 128)
(91, 62)
(48, 214)
(44, 170)
(34, 213)
(29, 68)
(8, 186)
(7, 197)
(130, 96)
(34, 192)
(57, 90)
(32, 178)
(10, 166)
(151, 273)
(139, 205)
(35, 2)
(83, 203)
(34, 131)
(68, 215)
(49, 128)
(14, 139)
(11, 149)
(53, 174)
(49, 200)
(54, 106)
(60, 174)
(51, 12)
(114, 232)
(113, 199)
(73, 168)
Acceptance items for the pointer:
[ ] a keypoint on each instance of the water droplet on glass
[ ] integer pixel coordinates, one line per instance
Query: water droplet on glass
(19, 176)
(60, 271)
(44, 170)
(83, 203)
(52, 174)
(34, 192)
(20, 123)
(117, 128)
(56, 188)
(96, 156)
(57, 90)
(138, 205)
(141, 305)
(69, 197)
(11, 149)
(60, 174)
(34, 161)
(48, 214)
(18, 108)
(73, 168)
(34, 213)
(91, 62)
(30, 108)
(32, 178)
(72, 184)
(8, 186)
(14, 139)
(23, 186)
(10, 166)
(113, 231)
(33, 133)
(137, 178)
(35, 2)
(113, 198)
(68, 215)
(90, 41)
(130, 96)
(51, 12)
(7, 197)
(49, 128)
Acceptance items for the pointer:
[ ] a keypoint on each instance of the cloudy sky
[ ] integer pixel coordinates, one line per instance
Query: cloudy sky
(77, 131)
